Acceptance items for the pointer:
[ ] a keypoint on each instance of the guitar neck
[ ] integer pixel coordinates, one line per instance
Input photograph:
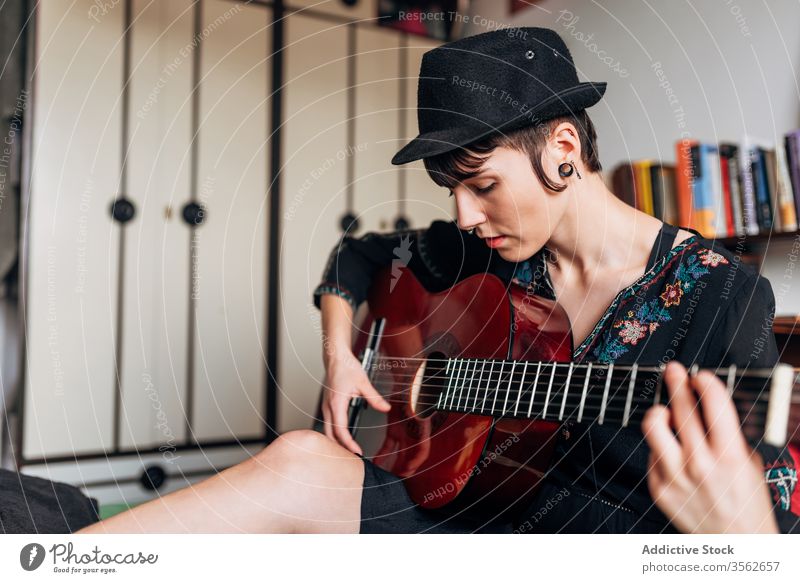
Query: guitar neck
(600, 393)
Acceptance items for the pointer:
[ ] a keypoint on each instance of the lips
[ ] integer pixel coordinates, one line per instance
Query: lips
(494, 242)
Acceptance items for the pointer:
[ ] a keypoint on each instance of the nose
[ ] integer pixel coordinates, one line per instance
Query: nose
(469, 210)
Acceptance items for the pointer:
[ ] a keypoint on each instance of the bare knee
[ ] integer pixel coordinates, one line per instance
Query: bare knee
(317, 481)
(302, 451)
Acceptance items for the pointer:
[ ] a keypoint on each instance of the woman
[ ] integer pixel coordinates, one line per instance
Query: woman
(500, 118)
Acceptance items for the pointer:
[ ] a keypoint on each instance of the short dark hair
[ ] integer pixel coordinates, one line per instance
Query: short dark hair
(457, 165)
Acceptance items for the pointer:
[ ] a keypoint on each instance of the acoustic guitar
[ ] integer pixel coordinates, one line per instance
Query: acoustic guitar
(480, 380)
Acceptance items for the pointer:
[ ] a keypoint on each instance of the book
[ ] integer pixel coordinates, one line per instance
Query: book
(785, 196)
(747, 184)
(729, 155)
(707, 200)
(792, 146)
(684, 179)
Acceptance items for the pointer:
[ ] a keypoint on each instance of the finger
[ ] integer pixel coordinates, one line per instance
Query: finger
(340, 429)
(666, 452)
(374, 398)
(683, 405)
(719, 412)
(327, 418)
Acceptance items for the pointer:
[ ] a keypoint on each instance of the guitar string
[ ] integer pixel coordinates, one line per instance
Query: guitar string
(516, 379)
(761, 371)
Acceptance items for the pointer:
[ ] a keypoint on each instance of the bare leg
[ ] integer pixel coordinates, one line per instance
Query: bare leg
(302, 482)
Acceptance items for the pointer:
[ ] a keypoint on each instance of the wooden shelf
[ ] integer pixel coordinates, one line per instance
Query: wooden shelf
(750, 241)
(786, 325)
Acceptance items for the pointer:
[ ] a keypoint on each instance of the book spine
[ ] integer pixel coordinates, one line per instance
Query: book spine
(702, 208)
(715, 197)
(736, 194)
(763, 210)
(726, 194)
(792, 142)
(748, 190)
(684, 176)
(785, 197)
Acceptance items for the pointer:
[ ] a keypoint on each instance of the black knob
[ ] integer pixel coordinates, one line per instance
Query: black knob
(153, 477)
(349, 2)
(194, 214)
(401, 223)
(122, 210)
(349, 223)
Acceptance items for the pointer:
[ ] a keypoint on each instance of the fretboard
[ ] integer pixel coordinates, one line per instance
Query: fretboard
(584, 393)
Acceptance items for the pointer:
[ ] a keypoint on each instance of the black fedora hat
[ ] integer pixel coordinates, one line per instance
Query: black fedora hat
(493, 82)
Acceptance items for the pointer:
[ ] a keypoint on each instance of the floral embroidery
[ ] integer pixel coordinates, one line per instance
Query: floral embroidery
(672, 297)
(632, 331)
(644, 319)
(782, 480)
(709, 257)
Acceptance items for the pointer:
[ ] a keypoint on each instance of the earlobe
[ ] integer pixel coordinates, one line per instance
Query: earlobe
(565, 170)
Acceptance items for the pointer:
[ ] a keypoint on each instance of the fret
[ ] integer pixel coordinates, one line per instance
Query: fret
(486, 388)
(447, 370)
(458, 374)
(478, 388)
(627, 413)
(566, 390)
(521, 385)
(693, 370)
(497, 388)
(471, 379)
(605, 394)
(731, 378)
(535, 382)
(583, 394)
(510, 380)
(549, 388)
(660, 385)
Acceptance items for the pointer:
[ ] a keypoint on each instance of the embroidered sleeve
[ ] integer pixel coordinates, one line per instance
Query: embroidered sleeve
(780, 473)
(439, 256)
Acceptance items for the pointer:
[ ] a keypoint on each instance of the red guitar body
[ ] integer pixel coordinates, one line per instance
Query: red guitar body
(479, 464)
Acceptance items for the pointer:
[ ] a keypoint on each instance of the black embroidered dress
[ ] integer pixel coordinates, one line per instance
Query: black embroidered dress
(695, 303)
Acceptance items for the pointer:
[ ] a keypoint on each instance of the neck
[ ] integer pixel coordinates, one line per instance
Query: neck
(588, 239)
(585, 393)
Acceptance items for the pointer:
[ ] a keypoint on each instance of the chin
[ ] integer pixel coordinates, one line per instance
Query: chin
(516, 254)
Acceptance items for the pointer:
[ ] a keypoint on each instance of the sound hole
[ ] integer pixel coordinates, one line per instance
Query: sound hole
(429, 382)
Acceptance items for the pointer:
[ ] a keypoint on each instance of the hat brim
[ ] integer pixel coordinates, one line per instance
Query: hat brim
(571, 100)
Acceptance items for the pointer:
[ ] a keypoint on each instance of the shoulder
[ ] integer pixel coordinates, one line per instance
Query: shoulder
(734, 279)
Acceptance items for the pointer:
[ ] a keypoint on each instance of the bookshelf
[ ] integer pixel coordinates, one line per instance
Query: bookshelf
(745, 197)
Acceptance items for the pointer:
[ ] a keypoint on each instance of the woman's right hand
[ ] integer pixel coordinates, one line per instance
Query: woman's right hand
(344, 379)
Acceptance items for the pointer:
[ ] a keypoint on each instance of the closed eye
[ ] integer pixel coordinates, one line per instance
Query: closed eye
(487, 189)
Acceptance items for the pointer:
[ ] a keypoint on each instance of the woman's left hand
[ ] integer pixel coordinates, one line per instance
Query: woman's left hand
(705, 477)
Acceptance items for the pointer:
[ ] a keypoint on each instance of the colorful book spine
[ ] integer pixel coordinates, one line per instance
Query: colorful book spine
(763, 206)
(792, 145)
(684, 180)
(729, 157)
(726, 194)
(747, 184)
(708, 208)
(644, 187)
(785, 197)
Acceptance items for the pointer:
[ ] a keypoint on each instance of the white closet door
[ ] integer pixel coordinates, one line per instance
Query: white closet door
(229, 250)
(72, 241)
(376, 119)
(424, 200)
(156, 261)
(313, 201)
(366, 10)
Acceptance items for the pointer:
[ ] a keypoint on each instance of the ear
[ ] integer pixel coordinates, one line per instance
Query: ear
(564, 144)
